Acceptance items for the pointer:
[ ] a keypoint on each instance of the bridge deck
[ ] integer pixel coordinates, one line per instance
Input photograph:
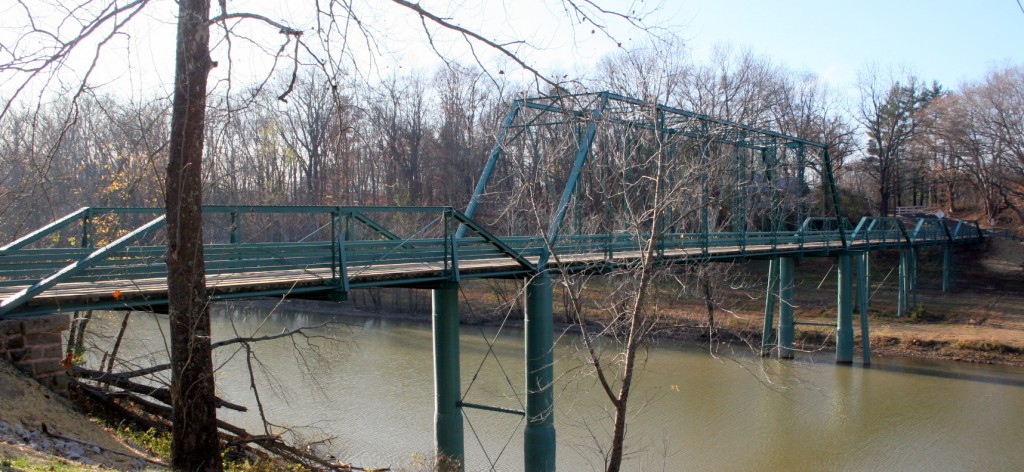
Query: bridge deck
(122, 275)
(299, 281)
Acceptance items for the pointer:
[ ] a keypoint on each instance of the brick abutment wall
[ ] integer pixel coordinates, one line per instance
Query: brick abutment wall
(35, 346)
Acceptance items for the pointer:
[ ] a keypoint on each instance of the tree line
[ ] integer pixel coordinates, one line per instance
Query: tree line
(421, 138)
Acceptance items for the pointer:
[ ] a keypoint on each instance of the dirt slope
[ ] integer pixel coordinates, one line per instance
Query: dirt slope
(37, 423)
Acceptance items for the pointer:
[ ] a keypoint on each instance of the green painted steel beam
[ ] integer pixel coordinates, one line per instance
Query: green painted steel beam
(902, 284)
(768, 328)
(948, 268)
(844, 308)
(834, 193)
(786, 321)
(863, 299)
(448, 431)
(466, 222)
(539, 433)
(493, 409)
(22, 296)
(492, 161)
(50, 228)
(366, 221)
(710, 119)
(574, 175)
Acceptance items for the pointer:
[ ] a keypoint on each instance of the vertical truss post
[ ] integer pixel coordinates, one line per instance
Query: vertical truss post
(539, 433)
(87, 228)
(912, 253)
(705, 225)
(574, 174)
(948, 269)
(235, 236)
(863, 287)
(830, 179)
(448, 433)
(771, 158)
(739, 205)
(901, 283)
(335, 248)
(844, 321)
(801, 206)
(768, 330)
(786, 321)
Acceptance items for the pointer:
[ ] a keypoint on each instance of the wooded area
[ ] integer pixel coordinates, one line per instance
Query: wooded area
(422, 138)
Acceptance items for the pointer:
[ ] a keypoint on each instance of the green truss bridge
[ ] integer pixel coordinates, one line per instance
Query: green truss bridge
(574, 183)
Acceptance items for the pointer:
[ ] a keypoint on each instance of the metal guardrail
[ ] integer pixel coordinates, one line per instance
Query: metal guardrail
(912, 210)
(351, 240)
(346, 246)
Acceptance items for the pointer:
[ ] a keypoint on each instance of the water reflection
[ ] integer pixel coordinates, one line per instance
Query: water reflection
(372, 390)
(990, 374)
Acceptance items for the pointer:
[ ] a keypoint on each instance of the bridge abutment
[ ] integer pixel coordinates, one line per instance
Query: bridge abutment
(34, 346)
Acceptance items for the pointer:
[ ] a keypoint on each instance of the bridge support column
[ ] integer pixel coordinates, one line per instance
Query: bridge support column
(912, 286)
(768, 329)
(902, 285)
(844, 323)
(539, 433)
(448, 433)
(948, 269)
(786, 321)
(863, 299)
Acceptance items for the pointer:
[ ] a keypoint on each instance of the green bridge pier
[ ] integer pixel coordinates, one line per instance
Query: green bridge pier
(539, 432)
(854, 271)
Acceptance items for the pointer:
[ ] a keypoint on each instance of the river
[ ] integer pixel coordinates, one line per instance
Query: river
(371, 390)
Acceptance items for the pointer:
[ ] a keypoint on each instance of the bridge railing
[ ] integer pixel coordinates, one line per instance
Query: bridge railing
(879, 233)
(886, 232)
(964, 230)
(581, 250)
(334, 241)
(336, 248)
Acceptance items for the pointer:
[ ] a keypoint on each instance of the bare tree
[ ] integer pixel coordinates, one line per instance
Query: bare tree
(994, 113)
(194, 444)
(890, 114)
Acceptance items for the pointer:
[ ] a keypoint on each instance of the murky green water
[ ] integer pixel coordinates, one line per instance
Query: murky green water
(691, 411)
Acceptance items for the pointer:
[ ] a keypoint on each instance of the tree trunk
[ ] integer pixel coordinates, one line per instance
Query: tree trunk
(617, 451)
(194, 443)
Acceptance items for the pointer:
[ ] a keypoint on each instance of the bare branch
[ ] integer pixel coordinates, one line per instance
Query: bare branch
(283, 29)
(476, 36)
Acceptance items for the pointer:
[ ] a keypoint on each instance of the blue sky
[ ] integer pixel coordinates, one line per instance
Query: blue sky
(944, 40)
